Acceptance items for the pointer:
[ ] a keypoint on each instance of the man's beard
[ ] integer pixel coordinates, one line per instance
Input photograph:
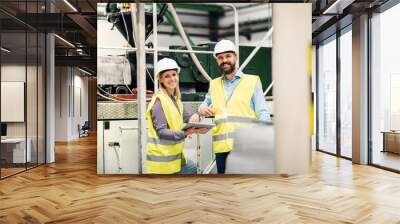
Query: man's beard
(227, 70)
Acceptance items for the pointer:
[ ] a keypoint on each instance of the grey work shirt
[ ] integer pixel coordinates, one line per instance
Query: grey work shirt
(160, 121)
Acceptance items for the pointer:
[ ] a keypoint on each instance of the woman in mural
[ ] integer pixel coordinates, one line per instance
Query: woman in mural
(165, 118)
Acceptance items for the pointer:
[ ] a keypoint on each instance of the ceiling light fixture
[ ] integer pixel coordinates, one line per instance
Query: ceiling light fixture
(79, 51)
(70, 5)
(5, 50)
(338, 6)
(86, 72)
(65, 41)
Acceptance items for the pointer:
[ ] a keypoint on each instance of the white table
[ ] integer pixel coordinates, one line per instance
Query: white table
(19, 155)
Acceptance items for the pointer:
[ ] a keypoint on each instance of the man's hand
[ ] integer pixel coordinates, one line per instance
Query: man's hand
(195, 131)
(207, 111)
(201, 130)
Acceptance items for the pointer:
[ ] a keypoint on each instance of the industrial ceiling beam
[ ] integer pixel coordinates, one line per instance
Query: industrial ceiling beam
(84, 24)
(42, 22)
(337, 6)
(81, 61)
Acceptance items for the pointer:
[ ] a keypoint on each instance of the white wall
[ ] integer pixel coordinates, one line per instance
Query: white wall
(70, 84)
(61, 103)
(14, 72)
(79, 117)
(33, 126)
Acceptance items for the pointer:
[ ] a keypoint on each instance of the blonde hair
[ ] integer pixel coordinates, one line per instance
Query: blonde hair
(177, 91)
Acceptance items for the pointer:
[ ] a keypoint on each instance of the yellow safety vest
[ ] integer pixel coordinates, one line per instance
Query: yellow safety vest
(164, 156)
(231, 112)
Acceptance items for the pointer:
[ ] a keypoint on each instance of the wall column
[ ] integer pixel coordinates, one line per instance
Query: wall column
(360, 90)
(292, 86)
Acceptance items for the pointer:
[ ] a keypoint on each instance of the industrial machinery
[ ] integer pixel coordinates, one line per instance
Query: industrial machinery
(193, 85)
(118, 110)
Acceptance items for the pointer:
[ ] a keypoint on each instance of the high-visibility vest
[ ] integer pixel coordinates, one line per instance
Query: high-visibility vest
(232, 112)
(164, 156)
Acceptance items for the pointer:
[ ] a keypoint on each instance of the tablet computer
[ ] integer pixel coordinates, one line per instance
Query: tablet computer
(198, 125)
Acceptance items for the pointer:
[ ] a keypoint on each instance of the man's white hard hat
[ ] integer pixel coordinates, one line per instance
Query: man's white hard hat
(166, 64)
(224, 46)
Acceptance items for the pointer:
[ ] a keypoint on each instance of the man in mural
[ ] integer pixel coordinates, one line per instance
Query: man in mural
(234, 99)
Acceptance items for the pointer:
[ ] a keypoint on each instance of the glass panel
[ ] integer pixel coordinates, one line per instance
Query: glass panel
(327, 97)
(346, 94)
(395, 102)
(13, 87)
(23, 82)
(41, 99)
(32, 88)
(31, 99)
(386, 89)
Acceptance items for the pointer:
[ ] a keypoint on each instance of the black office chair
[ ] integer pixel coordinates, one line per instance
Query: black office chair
(84, 130)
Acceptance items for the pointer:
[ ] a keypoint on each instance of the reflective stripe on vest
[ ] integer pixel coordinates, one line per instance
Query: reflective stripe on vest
(229, 114)
(240, 120)
(163, 158)
(222, 136)
(160, 141)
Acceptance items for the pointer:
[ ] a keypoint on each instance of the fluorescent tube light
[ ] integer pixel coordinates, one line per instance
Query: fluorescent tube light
(70, 5)
(5, 50)
(86, 72)
(65, 41)
(338, 6)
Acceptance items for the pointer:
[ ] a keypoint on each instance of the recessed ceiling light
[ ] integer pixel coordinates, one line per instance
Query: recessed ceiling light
(5, 50)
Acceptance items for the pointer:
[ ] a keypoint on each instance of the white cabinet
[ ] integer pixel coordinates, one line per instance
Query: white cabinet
(16, 146)
(205, 154)
(117, 150)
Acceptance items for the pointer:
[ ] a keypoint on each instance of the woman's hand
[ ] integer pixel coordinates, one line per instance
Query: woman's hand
(190, 131)
(195, 131)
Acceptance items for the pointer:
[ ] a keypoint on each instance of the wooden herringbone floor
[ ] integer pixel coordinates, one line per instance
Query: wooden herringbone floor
(70, 191)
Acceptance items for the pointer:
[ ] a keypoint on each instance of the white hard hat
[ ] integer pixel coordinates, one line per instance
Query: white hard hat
(166, 64)
(224, 46)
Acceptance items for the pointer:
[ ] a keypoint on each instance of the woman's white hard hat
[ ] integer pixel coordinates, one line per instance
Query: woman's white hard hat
(166, 64)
